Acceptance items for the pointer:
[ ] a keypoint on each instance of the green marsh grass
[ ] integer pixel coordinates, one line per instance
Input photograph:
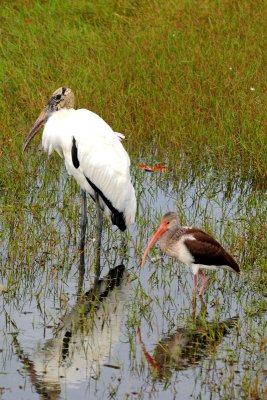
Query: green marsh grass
(177, 78)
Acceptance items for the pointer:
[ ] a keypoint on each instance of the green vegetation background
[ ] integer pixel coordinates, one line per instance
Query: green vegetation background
(181, 79)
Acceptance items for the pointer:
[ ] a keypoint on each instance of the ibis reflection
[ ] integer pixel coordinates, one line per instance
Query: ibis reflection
(188, 345)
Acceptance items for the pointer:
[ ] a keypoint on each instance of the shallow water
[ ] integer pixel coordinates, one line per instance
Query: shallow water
(136, 333)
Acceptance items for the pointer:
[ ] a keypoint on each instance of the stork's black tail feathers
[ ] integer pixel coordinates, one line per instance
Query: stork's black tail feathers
(117, 217)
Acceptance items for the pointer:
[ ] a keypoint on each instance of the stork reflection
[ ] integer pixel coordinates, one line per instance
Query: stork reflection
(188, 345)
(82, 340)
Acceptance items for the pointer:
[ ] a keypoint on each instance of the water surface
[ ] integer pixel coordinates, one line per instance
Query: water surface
(134, 333)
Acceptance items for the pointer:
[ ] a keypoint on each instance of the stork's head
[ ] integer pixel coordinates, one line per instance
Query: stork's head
(169, 221)
(61, 98)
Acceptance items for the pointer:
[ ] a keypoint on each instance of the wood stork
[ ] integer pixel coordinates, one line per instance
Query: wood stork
(93, 155)
(191, 246)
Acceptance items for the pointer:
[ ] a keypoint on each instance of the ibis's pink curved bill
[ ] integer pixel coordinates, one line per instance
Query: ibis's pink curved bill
(162, 228)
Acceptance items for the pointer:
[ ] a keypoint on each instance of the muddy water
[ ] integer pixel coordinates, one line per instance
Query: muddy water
(133, 334)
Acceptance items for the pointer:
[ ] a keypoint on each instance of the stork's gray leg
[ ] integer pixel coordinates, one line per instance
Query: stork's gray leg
(83, 233)
(124, 247)
(99, 233)
(99, 220)
(81, 277)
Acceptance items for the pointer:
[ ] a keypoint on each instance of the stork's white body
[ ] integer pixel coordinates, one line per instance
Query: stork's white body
(102, 158)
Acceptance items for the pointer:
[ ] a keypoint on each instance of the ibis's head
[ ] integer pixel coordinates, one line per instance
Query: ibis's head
(61, 98)
(169, 221)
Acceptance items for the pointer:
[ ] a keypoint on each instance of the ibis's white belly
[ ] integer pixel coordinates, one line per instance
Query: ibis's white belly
(179, 250)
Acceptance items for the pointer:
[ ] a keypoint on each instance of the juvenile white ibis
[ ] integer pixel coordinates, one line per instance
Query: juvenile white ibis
(191, 246)
(93, 155)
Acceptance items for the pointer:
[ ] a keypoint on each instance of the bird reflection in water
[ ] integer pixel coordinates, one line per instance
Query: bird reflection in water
(83, 338)
(188, 345)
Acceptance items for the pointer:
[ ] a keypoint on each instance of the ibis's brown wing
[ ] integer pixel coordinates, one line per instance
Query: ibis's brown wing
(207, 251)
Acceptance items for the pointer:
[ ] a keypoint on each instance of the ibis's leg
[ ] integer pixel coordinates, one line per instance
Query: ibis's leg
(204, 282)
(99, 233)
(203, 308)
(82, 242)
(194, 305)
(195, 283)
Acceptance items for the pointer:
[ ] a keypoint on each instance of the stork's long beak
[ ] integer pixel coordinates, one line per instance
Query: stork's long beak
(162, 228)
(41, 120)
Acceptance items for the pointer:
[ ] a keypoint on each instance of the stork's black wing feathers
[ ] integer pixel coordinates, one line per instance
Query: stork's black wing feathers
(74, 154)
